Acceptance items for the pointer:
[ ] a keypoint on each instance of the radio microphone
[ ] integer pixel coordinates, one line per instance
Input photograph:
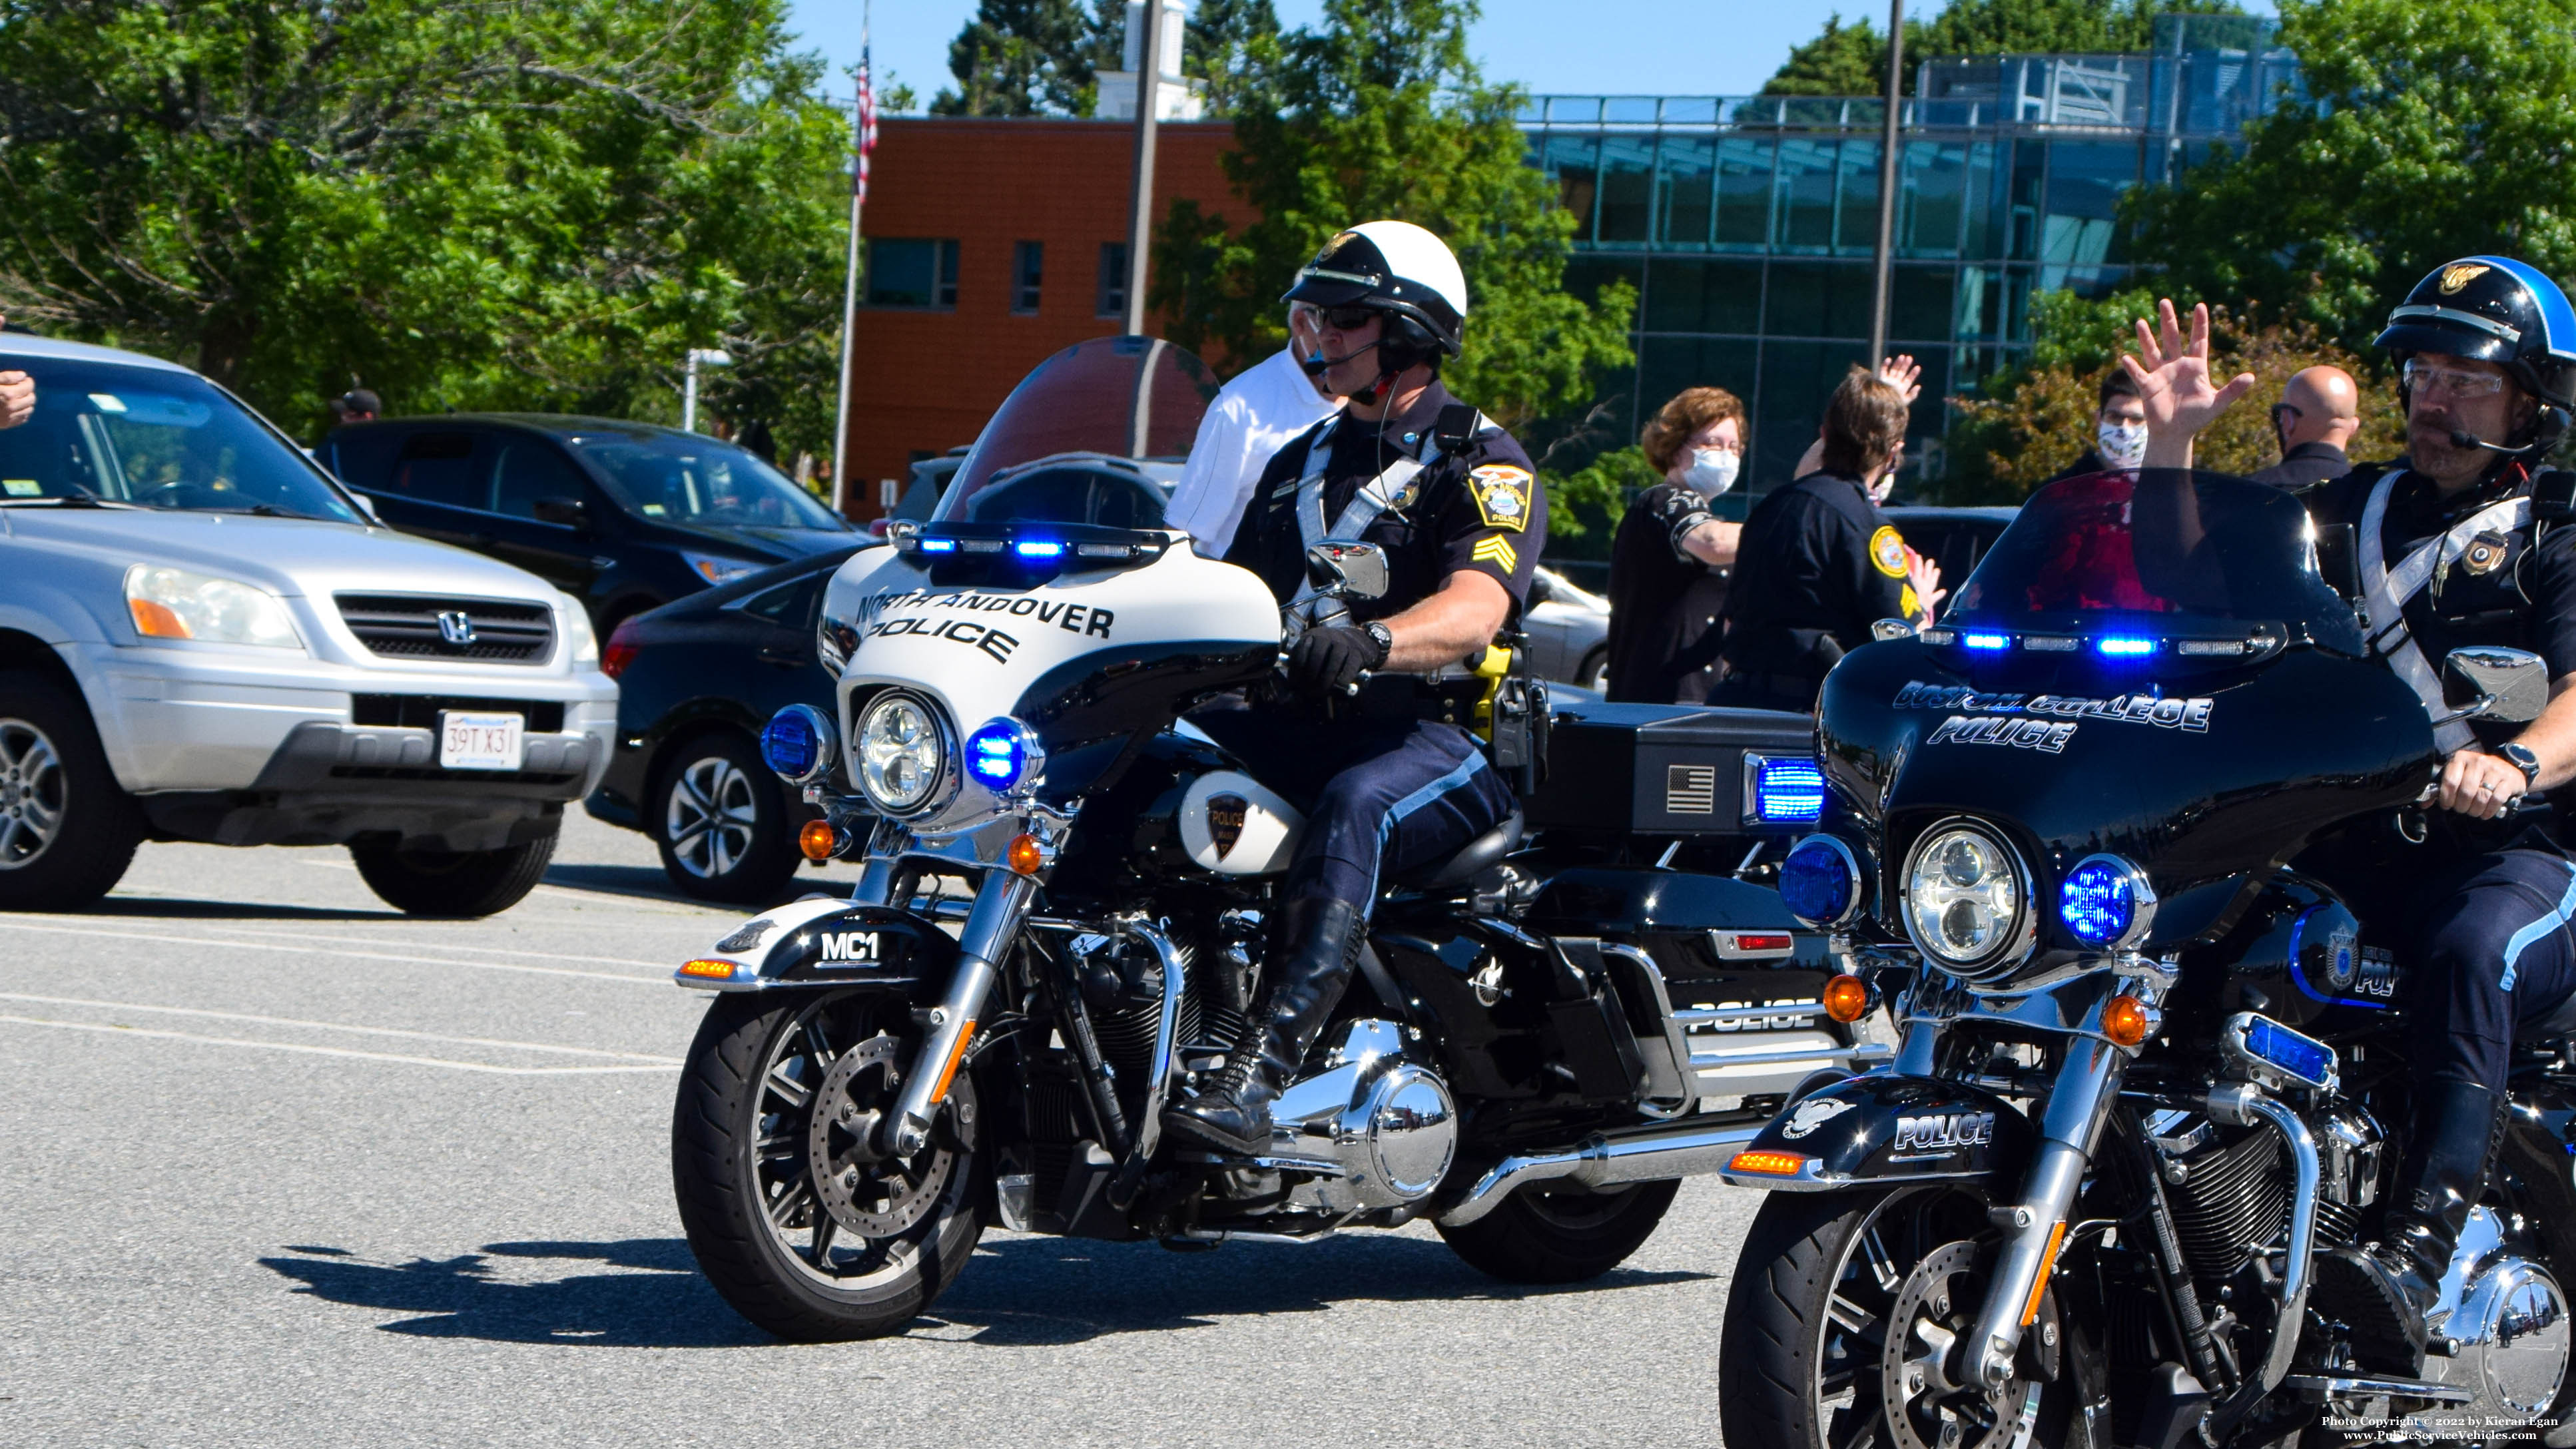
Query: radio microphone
(2463, 438)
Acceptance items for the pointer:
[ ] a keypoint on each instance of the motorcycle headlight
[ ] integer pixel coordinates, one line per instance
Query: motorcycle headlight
(1967, 899)
(902, 753)
(175, 604)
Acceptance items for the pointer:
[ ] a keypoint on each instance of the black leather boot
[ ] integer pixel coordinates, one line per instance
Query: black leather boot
(2384, 1290)
(1317, 946)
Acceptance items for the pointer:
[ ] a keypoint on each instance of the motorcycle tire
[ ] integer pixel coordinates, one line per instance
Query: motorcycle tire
(723, 823)
(67, 830)
(453, 884)
(735, 1184)
(1550, 1233)
(1799, 1352)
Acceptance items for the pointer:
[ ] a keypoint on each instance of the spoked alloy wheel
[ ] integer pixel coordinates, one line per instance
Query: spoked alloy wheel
(1847, 1328)
(67, 830)
(803, 1224)
(722, 822)
(32, 786)
(711, 818)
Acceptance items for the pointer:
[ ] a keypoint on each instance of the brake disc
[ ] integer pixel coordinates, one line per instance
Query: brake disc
(1927, 1406)
(867, 1191)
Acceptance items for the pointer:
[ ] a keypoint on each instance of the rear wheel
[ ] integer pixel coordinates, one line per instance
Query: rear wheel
(720, 819)
(454, 884)
(1549, 1232)
(1594, 672)
(67, 830)
(796, 1218)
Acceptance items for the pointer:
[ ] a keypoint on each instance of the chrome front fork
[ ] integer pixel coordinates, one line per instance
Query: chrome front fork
(2034, 1229)
(992, 923)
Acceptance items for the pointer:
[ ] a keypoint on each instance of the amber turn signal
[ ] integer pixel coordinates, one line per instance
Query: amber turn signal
(820, 840)
(1777, 1164)
(2125, 1020)
(1027, 856)
(710, 970)
(1846, 999)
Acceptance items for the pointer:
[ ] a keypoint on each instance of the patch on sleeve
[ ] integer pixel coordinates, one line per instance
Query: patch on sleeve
(1887, 551)
(1502, 494)
(1498, 551)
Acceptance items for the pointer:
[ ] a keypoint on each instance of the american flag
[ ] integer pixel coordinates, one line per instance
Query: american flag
(867, 128)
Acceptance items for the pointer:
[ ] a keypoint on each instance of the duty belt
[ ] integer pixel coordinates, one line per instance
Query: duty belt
(2386, 590)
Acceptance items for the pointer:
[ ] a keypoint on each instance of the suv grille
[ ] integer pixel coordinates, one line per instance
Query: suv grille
(415, 626)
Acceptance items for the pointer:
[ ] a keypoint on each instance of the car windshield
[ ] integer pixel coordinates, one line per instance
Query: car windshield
(161, 439)
(2163, 552)
(1136, 398)
(686, 478)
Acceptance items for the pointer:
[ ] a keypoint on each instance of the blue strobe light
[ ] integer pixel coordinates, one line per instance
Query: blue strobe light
(2104, 901)
(2119, 646)
(1820, 881)
(997, 755)
(1038, 548)
(1788, 791)
(1986, 641)
(797, 743)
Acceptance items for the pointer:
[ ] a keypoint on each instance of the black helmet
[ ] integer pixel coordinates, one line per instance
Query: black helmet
(1397, 268)
(2495, 309)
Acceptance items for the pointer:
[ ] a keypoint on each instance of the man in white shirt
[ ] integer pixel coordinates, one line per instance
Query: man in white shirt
(1265, 406)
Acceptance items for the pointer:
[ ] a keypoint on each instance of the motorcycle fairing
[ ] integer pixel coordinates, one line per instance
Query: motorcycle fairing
(1884, 1128)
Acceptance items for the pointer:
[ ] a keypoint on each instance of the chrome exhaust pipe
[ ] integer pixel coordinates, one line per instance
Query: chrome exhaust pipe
(1650, 1154)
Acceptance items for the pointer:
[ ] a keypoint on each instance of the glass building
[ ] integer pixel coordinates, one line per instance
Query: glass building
(1747, 224)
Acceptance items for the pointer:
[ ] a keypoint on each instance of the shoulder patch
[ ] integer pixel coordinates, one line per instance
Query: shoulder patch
(1502, 494)
(1887, 551)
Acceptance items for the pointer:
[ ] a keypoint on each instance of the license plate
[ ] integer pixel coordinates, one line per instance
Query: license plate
(481, 741)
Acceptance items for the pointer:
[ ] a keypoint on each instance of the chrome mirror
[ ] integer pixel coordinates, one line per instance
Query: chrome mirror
(1886, 629)
(1347, 569)
(2512, 684)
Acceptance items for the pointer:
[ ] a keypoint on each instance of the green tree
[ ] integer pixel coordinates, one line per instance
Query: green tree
(1230, 42)
(1032, 57)
(536, 206)
(1379, 113)
(2428, 132)
(1851, 60)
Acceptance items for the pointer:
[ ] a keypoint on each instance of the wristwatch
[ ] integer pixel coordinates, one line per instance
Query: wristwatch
(2521, 758)
(1385, 638)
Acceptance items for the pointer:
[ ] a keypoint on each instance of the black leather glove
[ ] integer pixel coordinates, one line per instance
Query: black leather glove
(1326, 661)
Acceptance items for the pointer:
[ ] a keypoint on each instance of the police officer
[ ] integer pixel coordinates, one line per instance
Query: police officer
(1818, 564)
(1386, 783)
(2455, 550)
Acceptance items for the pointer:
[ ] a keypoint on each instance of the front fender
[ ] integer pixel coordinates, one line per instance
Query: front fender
(1884, 1128)
(825, 942)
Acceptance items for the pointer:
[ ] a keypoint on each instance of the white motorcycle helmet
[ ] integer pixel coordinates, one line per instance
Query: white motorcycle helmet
(1401, 270)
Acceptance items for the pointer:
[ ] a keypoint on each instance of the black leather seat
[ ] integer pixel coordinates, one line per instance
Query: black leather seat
(1472, 860)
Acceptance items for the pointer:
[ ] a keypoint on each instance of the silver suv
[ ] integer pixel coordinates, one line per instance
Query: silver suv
(203, 637)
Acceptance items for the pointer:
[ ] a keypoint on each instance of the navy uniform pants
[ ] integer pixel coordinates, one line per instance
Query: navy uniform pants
(1380, 795)
(2493, 954)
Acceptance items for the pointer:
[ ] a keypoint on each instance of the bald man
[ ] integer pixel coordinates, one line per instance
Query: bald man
(2318, 413)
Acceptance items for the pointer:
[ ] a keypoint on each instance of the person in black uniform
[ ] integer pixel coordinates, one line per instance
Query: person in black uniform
(1386, 785)
(1819, 564)
(2456, 550)
(1667, 584)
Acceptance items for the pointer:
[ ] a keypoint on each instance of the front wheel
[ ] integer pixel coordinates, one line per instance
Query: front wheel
(453, 884)
(1847, 1326)
(796, 1218)
(67, 832)
(1553, 1232)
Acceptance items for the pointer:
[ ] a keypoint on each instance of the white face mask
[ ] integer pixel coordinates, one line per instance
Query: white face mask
(2120, 445)
(1712, 470)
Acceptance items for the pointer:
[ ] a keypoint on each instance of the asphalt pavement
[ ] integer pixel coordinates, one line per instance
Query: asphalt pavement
(280, 1166)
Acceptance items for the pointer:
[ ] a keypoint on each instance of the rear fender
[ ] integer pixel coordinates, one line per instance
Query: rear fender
(826, 942)
(1884, 1128)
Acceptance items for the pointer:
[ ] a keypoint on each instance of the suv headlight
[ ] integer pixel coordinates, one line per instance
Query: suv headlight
(1967, 899)
(170, 603)
(902, 753)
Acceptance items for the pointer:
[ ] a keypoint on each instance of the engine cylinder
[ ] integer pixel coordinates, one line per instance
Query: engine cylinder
(2229, 1202)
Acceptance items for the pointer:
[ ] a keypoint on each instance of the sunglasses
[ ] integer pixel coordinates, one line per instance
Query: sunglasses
(2424, 378)
(1345, 319)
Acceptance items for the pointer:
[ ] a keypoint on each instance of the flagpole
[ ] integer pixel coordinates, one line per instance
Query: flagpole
(863, 139)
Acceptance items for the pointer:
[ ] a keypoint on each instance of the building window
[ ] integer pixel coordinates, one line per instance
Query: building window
(912, 272)
(1028, 270)
(1113, 279)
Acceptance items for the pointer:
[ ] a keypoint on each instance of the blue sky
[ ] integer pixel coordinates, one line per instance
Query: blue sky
(1636, 47)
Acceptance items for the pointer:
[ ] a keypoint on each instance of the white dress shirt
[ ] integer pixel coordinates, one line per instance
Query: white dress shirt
(1257, 414)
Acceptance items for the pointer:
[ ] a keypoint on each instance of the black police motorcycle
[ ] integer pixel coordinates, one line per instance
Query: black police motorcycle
(2107, 837)
(1059, 927)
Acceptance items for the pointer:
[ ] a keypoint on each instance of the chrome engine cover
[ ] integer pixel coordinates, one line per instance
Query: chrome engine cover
(2508, 1318)
(1376, 1131)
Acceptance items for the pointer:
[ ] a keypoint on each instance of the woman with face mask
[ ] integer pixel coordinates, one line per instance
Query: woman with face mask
(1669, 562)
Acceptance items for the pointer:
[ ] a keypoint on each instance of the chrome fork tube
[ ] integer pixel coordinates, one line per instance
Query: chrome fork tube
(2078, 1102)
(1001, 903)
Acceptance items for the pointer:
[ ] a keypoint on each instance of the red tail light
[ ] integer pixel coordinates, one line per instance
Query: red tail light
(620, 651)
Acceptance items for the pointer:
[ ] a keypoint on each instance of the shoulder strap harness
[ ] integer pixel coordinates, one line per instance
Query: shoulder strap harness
(2385, 592)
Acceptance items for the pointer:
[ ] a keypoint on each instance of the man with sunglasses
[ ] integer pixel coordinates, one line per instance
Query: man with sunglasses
(2462, 542)
(1374, 755)
(2318, 413)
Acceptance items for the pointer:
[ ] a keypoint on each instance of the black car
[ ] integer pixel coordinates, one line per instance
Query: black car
(622, 516)
(1954, 538)
(696, 682)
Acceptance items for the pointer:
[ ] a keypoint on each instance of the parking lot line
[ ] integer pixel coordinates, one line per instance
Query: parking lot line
(324, 1051)
(430, 945)
(625, 976)
(524, 1046)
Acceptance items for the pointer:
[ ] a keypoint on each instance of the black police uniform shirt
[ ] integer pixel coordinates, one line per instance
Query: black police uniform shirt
(1664, 603)
(2305, 466)
(1817, 562)
(1477, 510)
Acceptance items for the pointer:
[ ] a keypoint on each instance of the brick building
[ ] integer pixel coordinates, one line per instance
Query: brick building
(991, 245)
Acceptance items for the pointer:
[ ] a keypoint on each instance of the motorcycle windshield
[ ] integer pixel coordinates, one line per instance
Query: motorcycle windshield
(2123, 560)
(1094, 415)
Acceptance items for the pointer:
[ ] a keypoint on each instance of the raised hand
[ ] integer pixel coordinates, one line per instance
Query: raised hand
(2175, 385)
(1904, 374)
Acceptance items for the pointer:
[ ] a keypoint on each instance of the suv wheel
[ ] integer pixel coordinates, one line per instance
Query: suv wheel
(456, 884)
(67, 830)
(721, 820)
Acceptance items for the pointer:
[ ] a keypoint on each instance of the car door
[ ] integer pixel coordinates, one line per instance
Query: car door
(440, 486)
(545, 515)
(781, 620)
(1544, 656)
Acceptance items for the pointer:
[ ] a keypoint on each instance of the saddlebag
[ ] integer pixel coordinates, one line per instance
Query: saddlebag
(1628, 769)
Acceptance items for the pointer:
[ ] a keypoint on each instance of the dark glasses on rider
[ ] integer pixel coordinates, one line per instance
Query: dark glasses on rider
(1345, 319)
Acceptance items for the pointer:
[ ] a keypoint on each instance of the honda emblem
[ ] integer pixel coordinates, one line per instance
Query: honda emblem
(456, 627)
